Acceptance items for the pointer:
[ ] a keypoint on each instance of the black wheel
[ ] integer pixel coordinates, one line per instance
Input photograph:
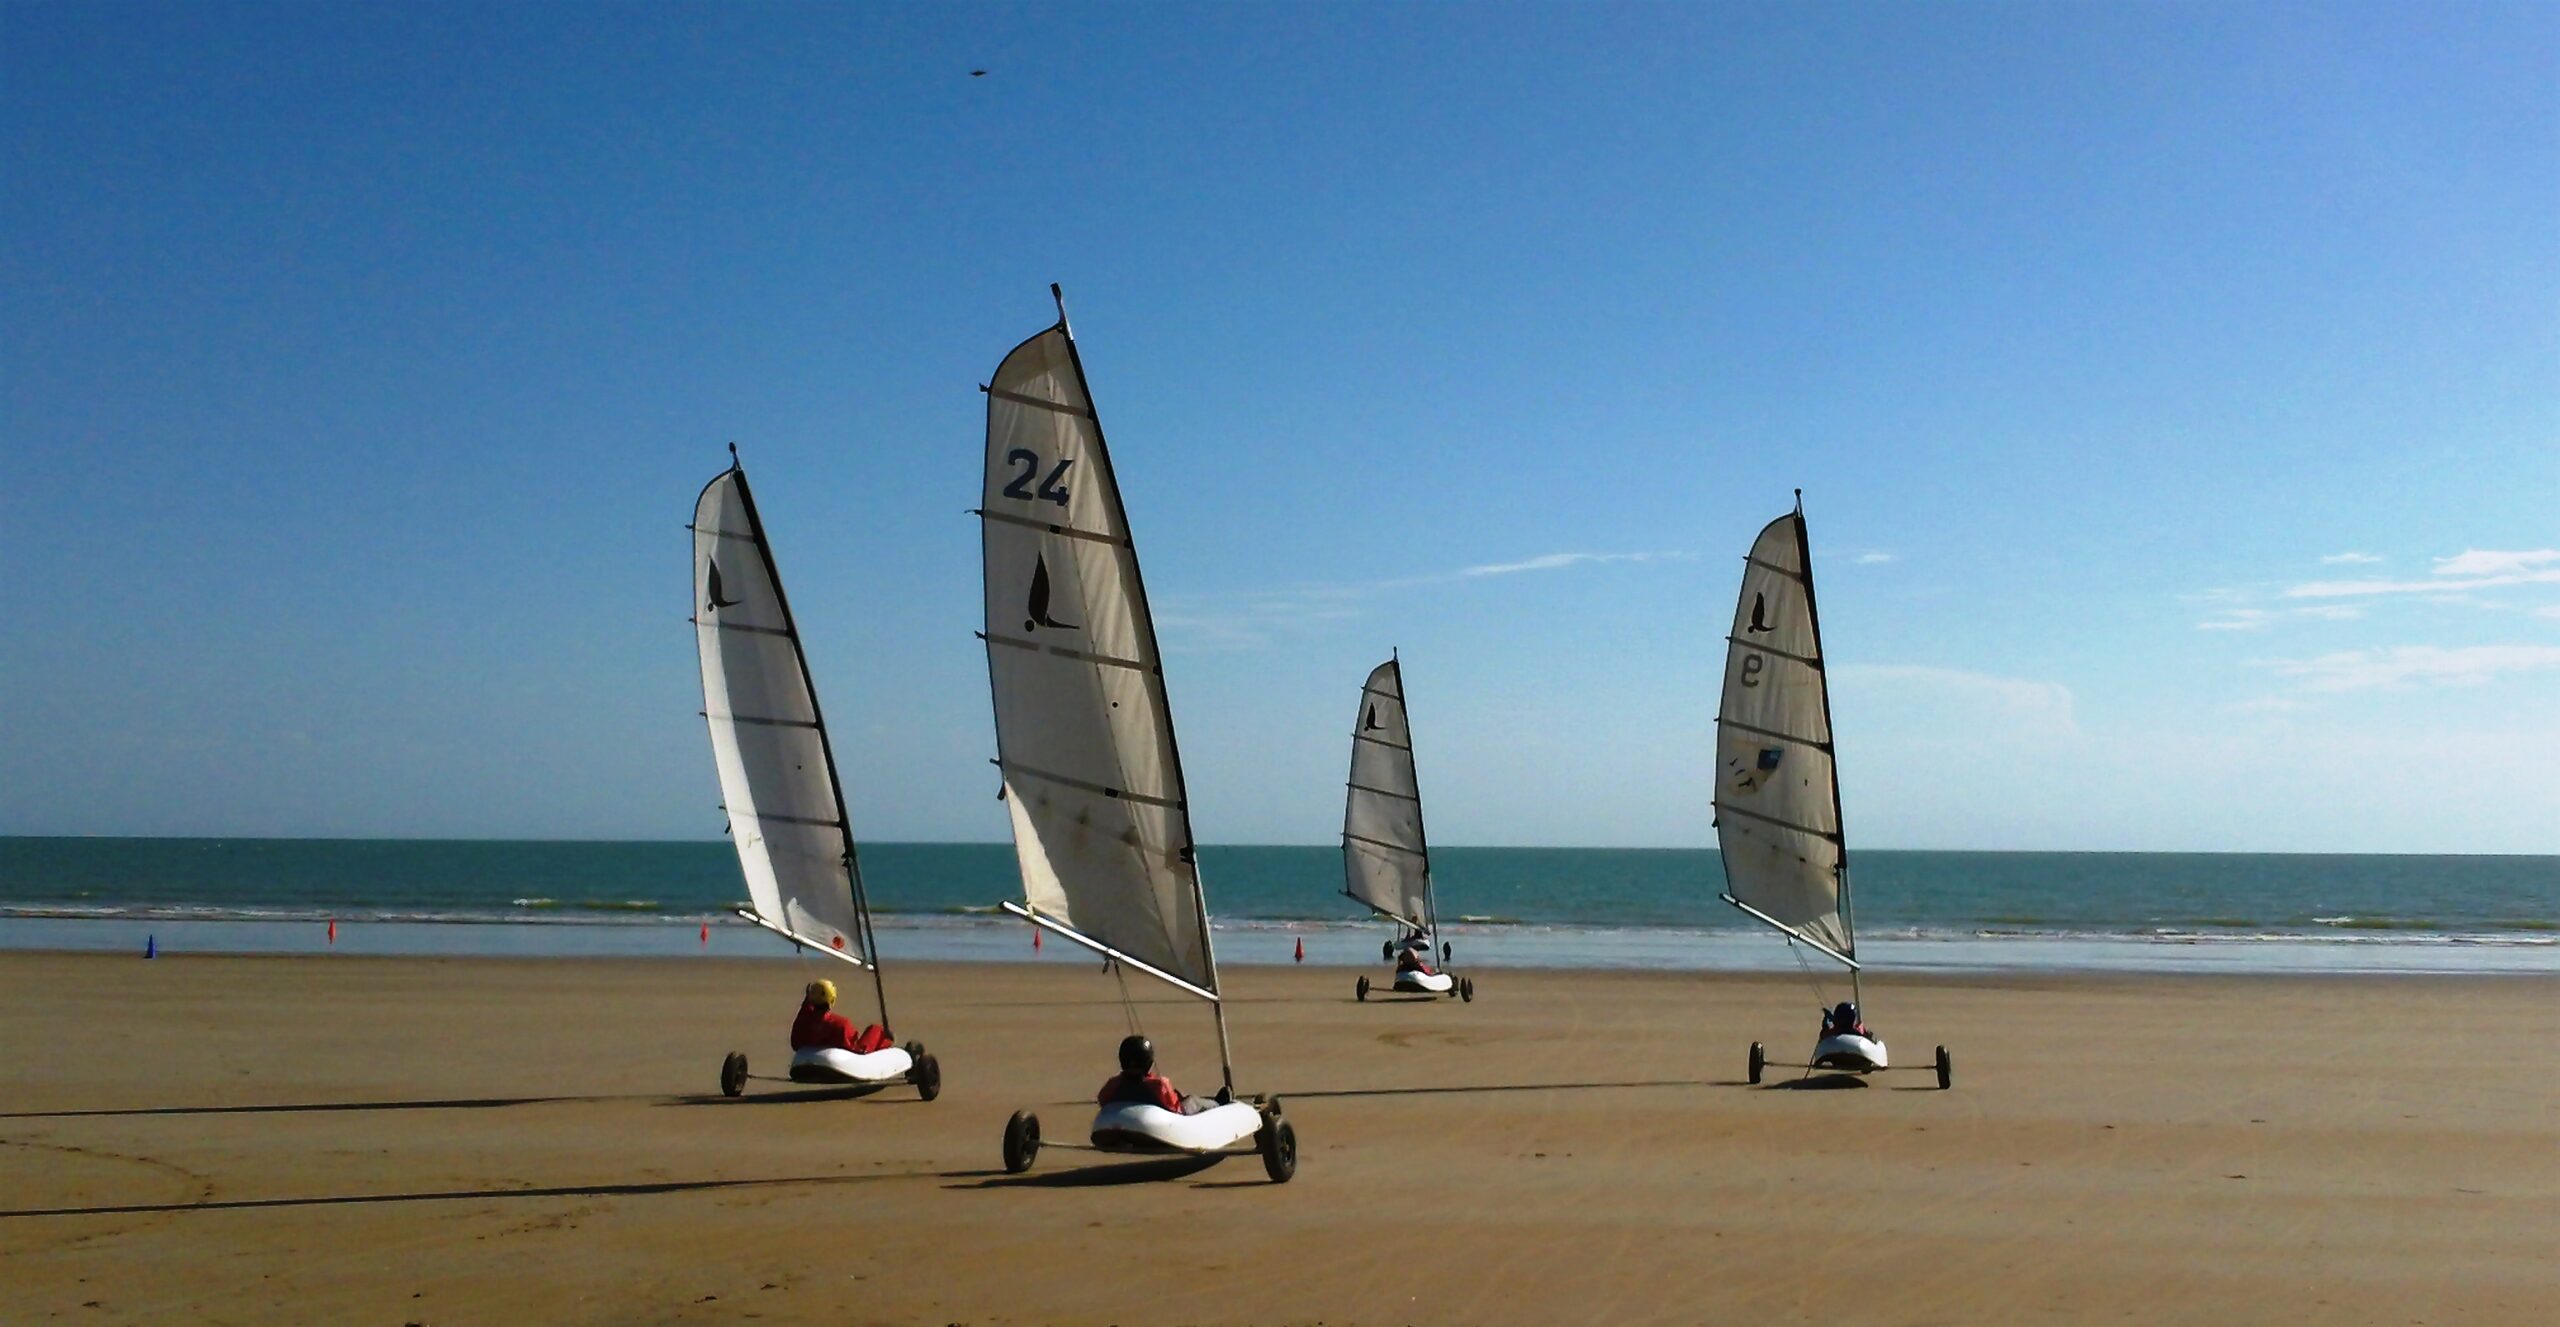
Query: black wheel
(1364, 988)
(733, 1074)
(1279, 1143)
(1386, 951)
(1467, 990)
(1946, 1069)
(1021, 1142)
(1759, 1061)
(927, 1076)
(1445, 951)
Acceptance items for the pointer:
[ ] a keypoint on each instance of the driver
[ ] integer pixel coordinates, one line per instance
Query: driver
(1842, 1021)
(1139, 1082)
(820, 1028)
(1412, 960)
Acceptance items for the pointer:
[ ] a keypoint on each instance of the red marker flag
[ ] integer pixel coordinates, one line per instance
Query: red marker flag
(1035, 939)
(1302, 949)
(333, 930)
(706, 934)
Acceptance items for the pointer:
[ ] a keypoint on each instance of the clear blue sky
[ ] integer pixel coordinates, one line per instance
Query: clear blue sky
(2175, 390)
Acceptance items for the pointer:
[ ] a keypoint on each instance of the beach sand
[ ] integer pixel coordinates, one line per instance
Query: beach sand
(491, 1140)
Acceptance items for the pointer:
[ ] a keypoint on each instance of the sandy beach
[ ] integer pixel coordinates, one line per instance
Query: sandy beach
(483, 1140)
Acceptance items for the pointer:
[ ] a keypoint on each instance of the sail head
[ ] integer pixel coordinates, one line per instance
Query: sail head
(777, 778)
(1776, 795)
(1084, 734)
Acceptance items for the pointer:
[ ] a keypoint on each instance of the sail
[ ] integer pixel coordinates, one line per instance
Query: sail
(777, 776)
(1385, 862)
(1084, 736)
(1777, 796)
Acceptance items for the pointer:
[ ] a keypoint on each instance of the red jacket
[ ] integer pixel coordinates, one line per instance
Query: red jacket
(826, 1030)
(1152, 1090)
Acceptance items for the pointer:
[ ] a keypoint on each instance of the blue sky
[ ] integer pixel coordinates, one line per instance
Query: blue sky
(2175, 390)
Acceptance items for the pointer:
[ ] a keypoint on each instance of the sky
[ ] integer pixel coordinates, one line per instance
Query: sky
(2174, 390)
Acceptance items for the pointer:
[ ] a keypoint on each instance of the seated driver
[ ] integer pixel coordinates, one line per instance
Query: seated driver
(1842, 1021)
(1412, 960)
(820, 1028)
(1139, 1082)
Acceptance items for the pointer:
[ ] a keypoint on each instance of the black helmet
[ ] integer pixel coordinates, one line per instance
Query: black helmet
(1137, 1055)
(1846, 1014)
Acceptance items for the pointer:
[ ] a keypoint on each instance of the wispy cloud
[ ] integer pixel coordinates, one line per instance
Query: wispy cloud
(2472, 569)
(2348, 559)
(1254, 618)
(1557, 561)
(1872, 557)
(2401, 665)
(1984, 701)
(2237, 619)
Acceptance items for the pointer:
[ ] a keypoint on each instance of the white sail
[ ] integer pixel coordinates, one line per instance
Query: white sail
(1084, 736)
(1777, 795)
(777, 776)
(1385, 861)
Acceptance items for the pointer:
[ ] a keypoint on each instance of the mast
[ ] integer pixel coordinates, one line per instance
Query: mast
(1430, 891)
(835, 781)
(1813, 611)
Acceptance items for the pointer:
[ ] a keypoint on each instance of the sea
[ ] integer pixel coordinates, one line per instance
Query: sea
(1522, 907)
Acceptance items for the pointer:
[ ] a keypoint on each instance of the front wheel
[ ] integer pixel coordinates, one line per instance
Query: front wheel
(1021, 1142)
(1279, 1143)
(1759, 1061)
(927, 1076)
(1946, 1069)
(733, 1074)
(1466, 990)
(1363, 988)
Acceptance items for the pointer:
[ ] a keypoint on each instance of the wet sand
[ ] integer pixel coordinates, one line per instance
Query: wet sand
(480, 1140)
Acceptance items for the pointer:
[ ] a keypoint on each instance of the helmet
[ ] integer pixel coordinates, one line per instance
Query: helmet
(822, 993)
(1137, 1055)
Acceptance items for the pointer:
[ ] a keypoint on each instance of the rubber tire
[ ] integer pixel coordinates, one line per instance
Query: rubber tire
(1446, 949)
(1759, 1061)
(1386, 951)
(1363, 988)
(927, 1076)
(733, 1074)
(1946, 1069)
(1021, 1142)
(1278, 1142)
(1466, 990)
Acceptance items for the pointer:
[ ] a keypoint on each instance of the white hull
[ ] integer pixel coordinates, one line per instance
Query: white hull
(1849, 1051)
(839, 1066)
(1133, 1127)
(1434, 983)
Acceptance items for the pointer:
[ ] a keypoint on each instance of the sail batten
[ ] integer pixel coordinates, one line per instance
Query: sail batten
(778, 777)
(1777, 790)
(1386, 858)
(1084, 730)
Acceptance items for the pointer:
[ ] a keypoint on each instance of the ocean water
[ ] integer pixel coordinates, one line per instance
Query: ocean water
(1547, 906)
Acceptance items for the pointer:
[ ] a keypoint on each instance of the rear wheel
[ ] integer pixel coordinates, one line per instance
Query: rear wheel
(927, 1076)
(1021, 1142)
(1445, 951)
(1386, 951)
(1946, 1069)
(1467, 990)
(1759, 1061)
(733, 1074)
(1279, 1143)
(1364, 988)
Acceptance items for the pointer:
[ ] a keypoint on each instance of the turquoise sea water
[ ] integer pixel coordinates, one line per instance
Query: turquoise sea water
(1603, 907)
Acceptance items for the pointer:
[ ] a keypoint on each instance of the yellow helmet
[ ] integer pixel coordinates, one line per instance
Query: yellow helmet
(822, 994)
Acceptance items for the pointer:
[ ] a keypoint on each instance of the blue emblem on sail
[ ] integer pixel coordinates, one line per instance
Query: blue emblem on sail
(1748, 778)
(1769, 758)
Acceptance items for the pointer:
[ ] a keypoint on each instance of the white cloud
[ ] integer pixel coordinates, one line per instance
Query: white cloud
(2331, 612)
(1553, 561)
(1870, 559)
(2236, 619)
(2400, 665)
(2348, 559)
(1955, 698)
(2472, 569)
(2483, 562)
(2548, 610)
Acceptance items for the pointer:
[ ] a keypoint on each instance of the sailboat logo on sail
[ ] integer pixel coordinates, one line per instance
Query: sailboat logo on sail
(1748, 778)
(1759, 615)
(1039, 605)
(717, 602)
